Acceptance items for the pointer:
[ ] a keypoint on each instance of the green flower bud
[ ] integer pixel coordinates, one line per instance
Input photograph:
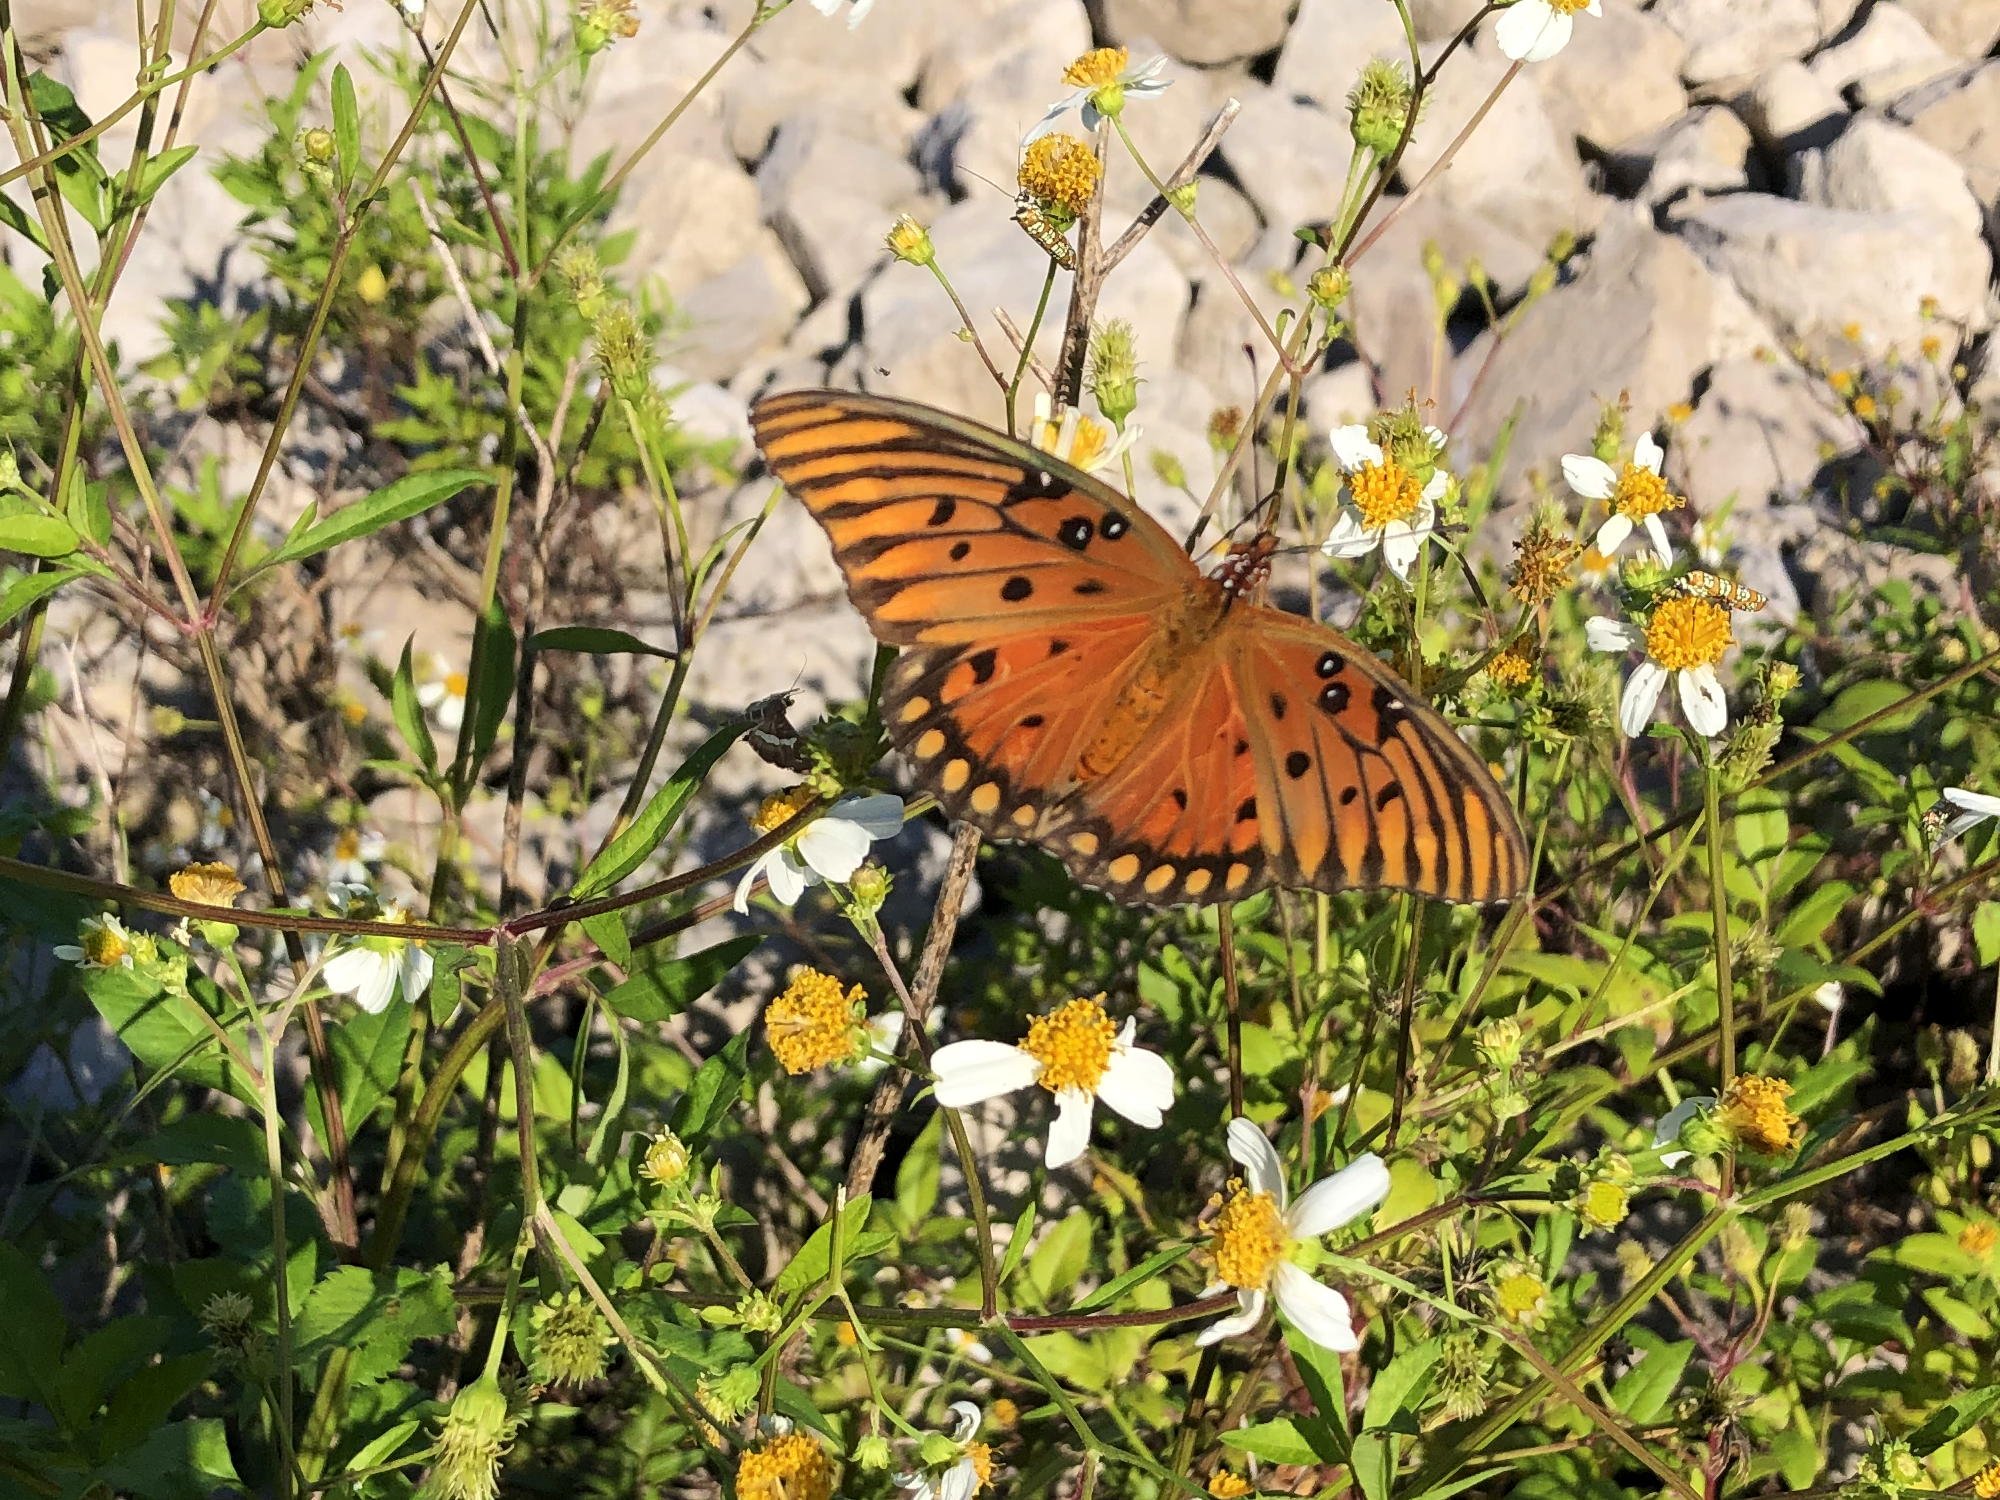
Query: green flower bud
(909, 241)
(1378, 106)
(872, 1453)
(1329, 286)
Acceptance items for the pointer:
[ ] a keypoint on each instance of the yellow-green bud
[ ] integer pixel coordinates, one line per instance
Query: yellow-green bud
(1498, 1042)
(872, 1453)
(1170, 469)
(757, 1313)
(869, 888)
(475, 1436)
(1794, 1227)
(226, 1316)
(910, 241)
(280, 13)
(736, 1390)
(1329, 286)
(578, 267)
(937, 1450)
(318, 144)
(623, 354)
(666, 1161)
(1378, 106)
(1607, 439)
(1114, 370)
(570, 1340)
(1781, 680)
(599, 23)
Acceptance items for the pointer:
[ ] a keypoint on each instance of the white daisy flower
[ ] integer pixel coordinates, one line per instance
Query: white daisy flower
(1536, 30)
(1081, 442)
(966, 1345)
(218, 820)
(1637, 494)
(1076, 1054)
(372, 969)
(1668, 1130)
(101, 943)
(355, 852)
(955, 1467)
(1683, 638)
(856, 9)
(443, 699)
(1258, 1230)
(1385, 506)
(831, 847)
(1960, 812)
(1101, 81)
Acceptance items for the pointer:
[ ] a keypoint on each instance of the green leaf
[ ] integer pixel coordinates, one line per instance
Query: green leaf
(32, 531)
(32, 1350)
(376, 1316)
(1278, 1442)
(1955, 1418)
(411, 495)
(153, 176)
(187, 1460)
(596, 640)
(656, 819)
(715, 1087)
(607, 930)
(227, 1141)
(1017, 1243)
(814, 1262)
(1860, 699)
(1401, 1385)
(491, 691)
(661, 991)
(367, 1059)
(409, 713)
(101, 1359)
(346, 126)
(1642, 1392)
(168, 1032)
(1144, 1272)
(1814, 912)
(1060, 1258)
(1374, 1464)
(917, 1176)
(30, 588)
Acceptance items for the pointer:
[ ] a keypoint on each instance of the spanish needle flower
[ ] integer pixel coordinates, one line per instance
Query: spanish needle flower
(1637, 494)
(1081, 442)
(1388, 505)
(1259, 1230)
(784, 1465)
(101, 943)
(815, 1023)
(1967, 810)
(1536, 30)
(1683, 638)
(856, 9)
(373, 969)
(1077, 1055)
(1101, 81)
(831, 847)
(955, 1467)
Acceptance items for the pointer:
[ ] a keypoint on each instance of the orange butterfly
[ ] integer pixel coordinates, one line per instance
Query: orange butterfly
(1071, 678)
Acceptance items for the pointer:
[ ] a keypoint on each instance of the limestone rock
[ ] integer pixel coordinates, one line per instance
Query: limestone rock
(1329, 42)
(1196, 31)
(1966, 29)
(1290, 155)
(1706, 151)
(1959, 113)
(741, 311)
(1878, 165)
(822, 190)
(1890, 52)
(1790, 109)
(1808, 268)
(1619, 77)
(1759, 434)
(1729, 41)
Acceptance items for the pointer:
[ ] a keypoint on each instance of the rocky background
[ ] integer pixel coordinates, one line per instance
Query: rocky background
(1756, 191)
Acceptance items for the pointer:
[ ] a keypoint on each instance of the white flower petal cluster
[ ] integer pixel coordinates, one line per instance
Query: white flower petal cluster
(830, 847)
(1535, 30)
(1400, 538)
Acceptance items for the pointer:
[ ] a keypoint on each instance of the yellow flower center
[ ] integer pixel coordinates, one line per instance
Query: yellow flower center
(1061, 172)
(347, 844)
(1073, 1044)
(1227, 1485)
(354, 711)
(1986, 1483)
(1004, 1413)
(1978, 1240)
(1096, 68)
(1755, 1115)
(791, 1467)
(103, 945)
(1642, 493)
(814, 1022)
(1519, 1295)
(981, 1458)
(454, 684)
(1605, 1204)
(1568, 7)
(1685, 633)
(666, 1160)
(1250, 1238)
(1383, 493)
(1091, 441)
(774, 812)
(210, 884)
(1512, 668)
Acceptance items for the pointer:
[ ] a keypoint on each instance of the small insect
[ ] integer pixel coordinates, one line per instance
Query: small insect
(1044, 231)
(1723, 591)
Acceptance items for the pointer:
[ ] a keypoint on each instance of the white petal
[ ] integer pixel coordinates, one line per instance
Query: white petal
(1138, 1085)
(1606, 634)
(879, 814)
(1976, 804)
(1147, 72)
(1258, 1158)
(1590, 477)
(833, 848)
(787, 877)
(1531, 31)
(69, 953)
(1647, 454)
(1317, 1311)
(1400, 546)
(1669, 1128)
(1662, 548)
(1611, 535)
(964, 1420)
(1340, 1199)
(918, 1486)
(1642, 692)
(417, 967)
(959, 1481)
(973, 1072)
(1069, 1133)
(351, 968)
(1250, 1307)
(1347, 539)
(1433, 491)
(1703, 701)
(1352, 447)
(758, 866)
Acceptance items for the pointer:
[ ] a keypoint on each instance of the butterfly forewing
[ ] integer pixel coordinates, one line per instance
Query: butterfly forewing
(1062, 683)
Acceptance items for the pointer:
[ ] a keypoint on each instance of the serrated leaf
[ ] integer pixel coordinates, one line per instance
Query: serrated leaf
(1401, 1384)
(814, 1261)
(656, 819)
(168, 1032)
(1954, 1418)
(607, 930)
(1642, 1392)
(376, 1316)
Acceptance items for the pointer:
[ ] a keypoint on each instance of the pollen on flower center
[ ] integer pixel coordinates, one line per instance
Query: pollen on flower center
(1086, 451)
(1096, 68)
(1568, 7)
(1250, 1238)
(790, 1467)
(1685, 633)
(1755, 1115)
(981, 1458)
(1073, 1044)
(776, 811)
(1640, 491)
(455, 684)
(1383, 493)
(814, 1022)
(1061, 172)
(104, 946)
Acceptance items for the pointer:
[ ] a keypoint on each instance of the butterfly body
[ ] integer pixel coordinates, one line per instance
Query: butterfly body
(1070, 678)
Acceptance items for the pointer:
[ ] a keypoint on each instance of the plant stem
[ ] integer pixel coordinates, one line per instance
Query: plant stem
(1028, 349)
(1718, 910)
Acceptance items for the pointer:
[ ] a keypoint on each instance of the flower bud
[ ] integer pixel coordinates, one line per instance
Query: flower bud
(1114, 370)
(1329, 286)
(1378, 106)
(910, 241)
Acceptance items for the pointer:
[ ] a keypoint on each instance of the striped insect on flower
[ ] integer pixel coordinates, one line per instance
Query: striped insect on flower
(1724, 591)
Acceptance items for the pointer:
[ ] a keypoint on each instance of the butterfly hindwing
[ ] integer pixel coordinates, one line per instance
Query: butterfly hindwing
(947, 533)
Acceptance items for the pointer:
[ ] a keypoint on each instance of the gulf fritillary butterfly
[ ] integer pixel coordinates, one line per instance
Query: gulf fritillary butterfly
(1069, 677)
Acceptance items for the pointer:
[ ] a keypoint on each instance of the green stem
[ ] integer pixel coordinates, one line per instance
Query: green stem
(1718, 911)
(1028, 348)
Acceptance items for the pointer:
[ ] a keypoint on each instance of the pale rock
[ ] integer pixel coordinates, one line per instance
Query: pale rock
(1706, 150)
(908, 328)
(1807, 269)
(1618, 78)
(1758, 435)
(1959, 113)
(1441, 20)
(1328, 44)
(1876, 165)
(1166, 127)
(1196, 31)
(1343, 395)
(1219, 325)
(1393, 311)
(815, 644)
(1636, 318)
(703, 410)
(890, 49)
(1229, 218)
(1789, 109)
(742, 311)
(691, 213)
(1967, 29)
(990, 79)
(1889, 52)
(1728, 41)
(1290, 155)
(46, 20)
(831, 198)
(756, 95)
